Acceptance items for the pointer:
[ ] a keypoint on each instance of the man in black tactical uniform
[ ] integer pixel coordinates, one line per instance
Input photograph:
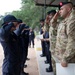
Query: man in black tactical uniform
(10, 43)
(42, 42)
(23, 42)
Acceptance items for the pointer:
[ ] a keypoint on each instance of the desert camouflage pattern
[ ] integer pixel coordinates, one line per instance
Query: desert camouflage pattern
(65, 44)
(52, 37)
(46, 27)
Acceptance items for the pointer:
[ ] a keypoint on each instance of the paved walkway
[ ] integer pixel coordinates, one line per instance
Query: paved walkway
(32, 65)
(42, 66)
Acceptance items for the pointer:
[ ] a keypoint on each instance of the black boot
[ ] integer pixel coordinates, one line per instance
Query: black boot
(42, 55)
(49, 69)
(46, 62)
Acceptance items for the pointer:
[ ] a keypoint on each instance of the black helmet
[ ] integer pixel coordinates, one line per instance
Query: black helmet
(52, 11)
(9, 18)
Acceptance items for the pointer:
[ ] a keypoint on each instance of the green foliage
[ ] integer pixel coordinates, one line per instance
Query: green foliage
(30, 13)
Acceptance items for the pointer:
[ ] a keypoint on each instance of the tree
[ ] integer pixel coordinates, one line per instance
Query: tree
(30, 13)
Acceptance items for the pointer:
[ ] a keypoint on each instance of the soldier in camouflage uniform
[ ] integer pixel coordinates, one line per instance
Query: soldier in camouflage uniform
(65, 41)
(52, 31)
(52, 34)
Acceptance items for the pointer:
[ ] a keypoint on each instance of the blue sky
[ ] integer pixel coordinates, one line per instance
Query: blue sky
(9, 6)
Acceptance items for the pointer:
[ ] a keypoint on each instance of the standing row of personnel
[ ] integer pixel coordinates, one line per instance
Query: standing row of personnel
(46, 26)
(12, 40)
(62, 35)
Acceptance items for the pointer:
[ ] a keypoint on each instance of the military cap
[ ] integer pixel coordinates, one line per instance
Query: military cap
(64, 3)
(26, 26)
(52, 11)
(9, 18)
(19, 20)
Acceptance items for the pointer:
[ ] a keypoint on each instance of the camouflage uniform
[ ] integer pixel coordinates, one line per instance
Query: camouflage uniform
(52, 38)
(53, 34)
(65, 44)
(46, 27)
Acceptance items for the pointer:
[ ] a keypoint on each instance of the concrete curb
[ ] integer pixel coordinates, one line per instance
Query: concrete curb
(40, 60)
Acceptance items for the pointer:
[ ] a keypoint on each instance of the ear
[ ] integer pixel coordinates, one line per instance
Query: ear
(69, 9)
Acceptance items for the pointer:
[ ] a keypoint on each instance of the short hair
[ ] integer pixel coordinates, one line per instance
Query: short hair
(42, 20)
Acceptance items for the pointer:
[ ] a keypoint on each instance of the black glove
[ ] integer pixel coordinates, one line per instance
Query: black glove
(19, 30)
(7, 27)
